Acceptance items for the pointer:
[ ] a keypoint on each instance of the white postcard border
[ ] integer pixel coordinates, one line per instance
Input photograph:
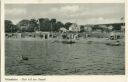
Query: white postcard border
(68, 78)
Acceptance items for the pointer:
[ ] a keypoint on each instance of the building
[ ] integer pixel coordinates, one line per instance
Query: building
(63, 29)
(88, 29)
(74, 28)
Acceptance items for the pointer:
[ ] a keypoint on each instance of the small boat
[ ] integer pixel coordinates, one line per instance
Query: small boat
(113, 44)
(68, 42)
(23, 58)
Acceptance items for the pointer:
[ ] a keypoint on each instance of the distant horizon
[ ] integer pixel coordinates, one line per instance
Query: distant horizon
(80, 13)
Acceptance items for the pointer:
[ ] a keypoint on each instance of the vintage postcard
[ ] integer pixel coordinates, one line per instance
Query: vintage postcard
(63, 41)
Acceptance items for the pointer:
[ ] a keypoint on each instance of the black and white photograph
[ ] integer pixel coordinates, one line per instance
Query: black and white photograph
(65, 39)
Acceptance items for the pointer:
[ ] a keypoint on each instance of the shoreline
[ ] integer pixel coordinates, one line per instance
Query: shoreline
(81, 40)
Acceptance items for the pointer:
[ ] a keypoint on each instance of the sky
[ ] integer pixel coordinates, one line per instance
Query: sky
(80, 13)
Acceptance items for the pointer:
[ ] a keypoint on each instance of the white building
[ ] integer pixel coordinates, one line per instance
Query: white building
(63, 29)
(88, 29)
(74, 28)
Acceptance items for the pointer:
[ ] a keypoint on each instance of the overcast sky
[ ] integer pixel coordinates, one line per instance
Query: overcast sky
(93, 13)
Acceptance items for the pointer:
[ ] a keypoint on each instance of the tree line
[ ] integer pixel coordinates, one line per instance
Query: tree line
(50, 25)
(32, 25)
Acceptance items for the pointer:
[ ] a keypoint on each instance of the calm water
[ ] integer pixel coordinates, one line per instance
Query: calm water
(53, 58)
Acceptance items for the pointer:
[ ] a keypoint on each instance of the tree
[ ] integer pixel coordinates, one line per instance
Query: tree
(10, 27)
(67, 25)
(82, 28)
(49, 25)
(59, 25)
(116, 27)
(44, 24)
(23, 25)
(33, 25)
(53, 24)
